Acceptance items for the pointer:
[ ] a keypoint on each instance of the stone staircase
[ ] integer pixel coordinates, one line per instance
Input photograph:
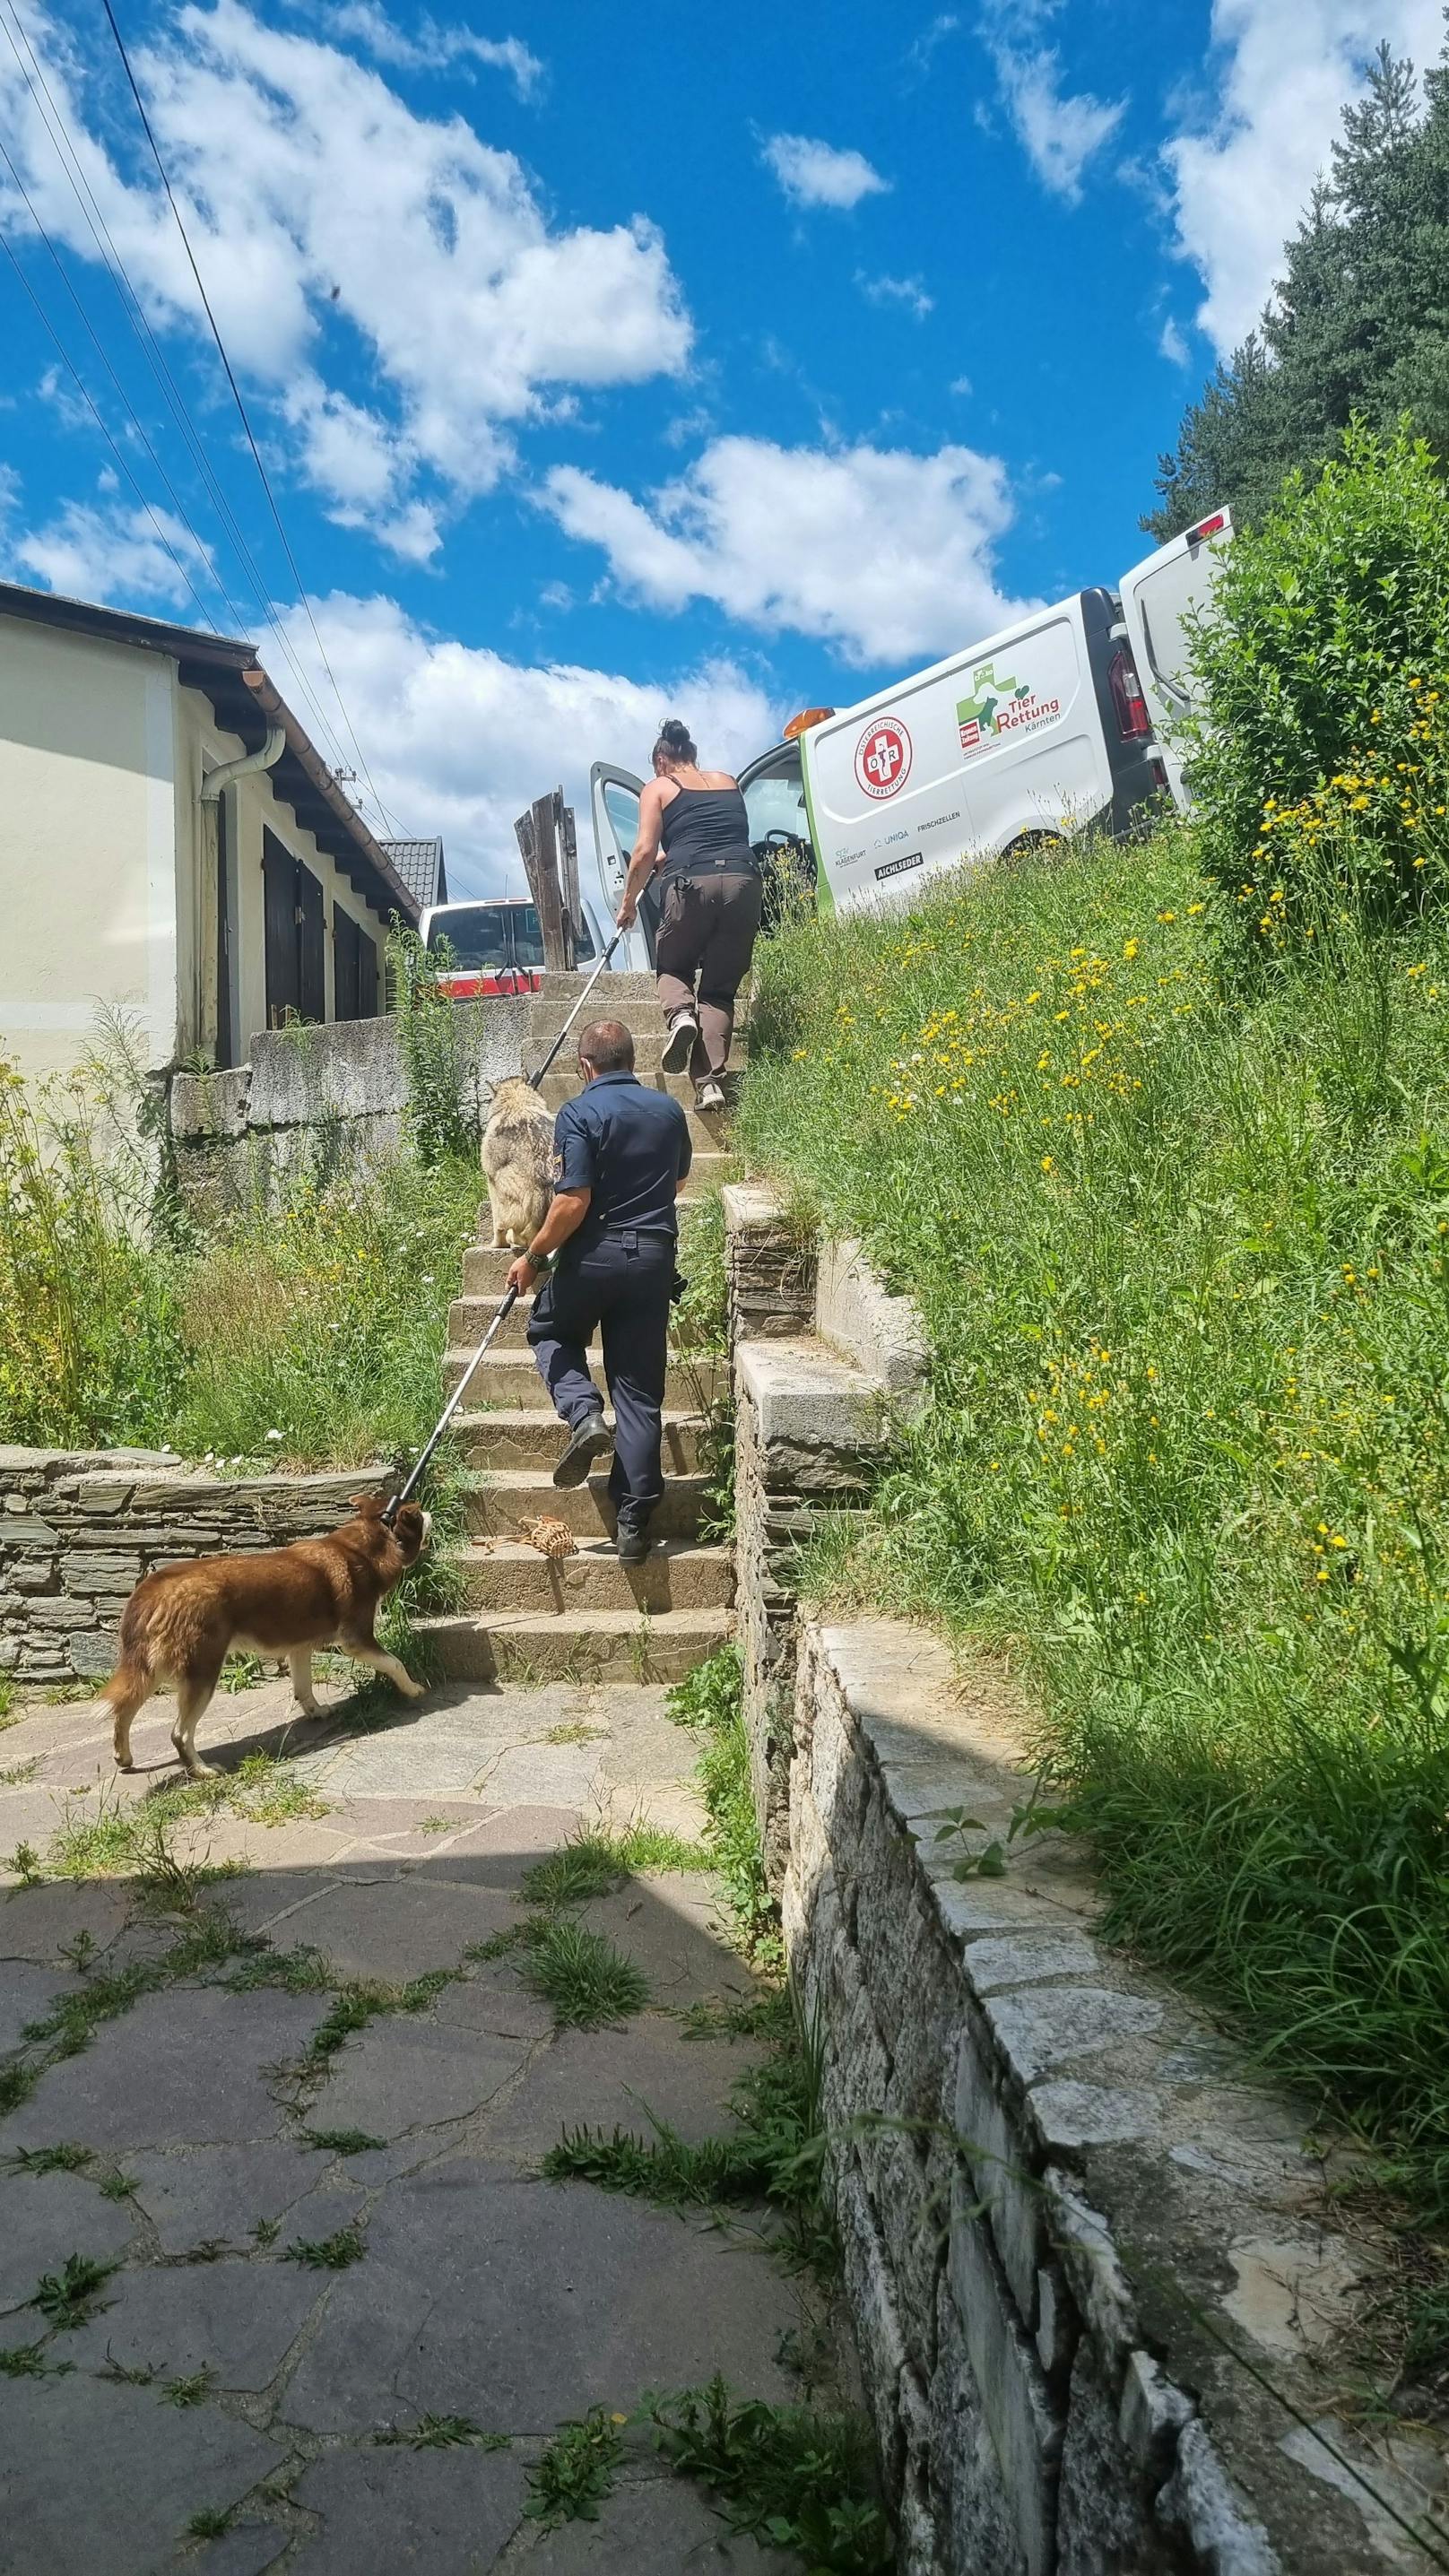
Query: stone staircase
(525, 1617)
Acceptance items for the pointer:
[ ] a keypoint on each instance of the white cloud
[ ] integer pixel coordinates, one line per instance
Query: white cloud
(1172, 344)
(320, 204)
(116, 553)
(1241, 178)
(881, 553)
(960, 385)
(460, 740)
(430, 47)
(1059, 131)
(922, 53)
(817, 174)
(908, 291)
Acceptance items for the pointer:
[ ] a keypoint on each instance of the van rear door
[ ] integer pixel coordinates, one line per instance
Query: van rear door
(614, 806)
(1003, 744)
(1158, 596)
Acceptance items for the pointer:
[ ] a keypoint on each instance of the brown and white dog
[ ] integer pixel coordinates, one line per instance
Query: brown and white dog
(182, 1621)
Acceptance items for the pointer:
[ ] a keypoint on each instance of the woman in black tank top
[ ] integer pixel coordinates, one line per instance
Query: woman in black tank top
(693, 829)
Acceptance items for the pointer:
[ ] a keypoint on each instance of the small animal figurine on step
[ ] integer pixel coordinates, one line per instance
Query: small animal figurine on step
(518, 1161)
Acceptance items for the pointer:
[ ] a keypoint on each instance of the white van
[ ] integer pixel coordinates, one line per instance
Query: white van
(1062, 720)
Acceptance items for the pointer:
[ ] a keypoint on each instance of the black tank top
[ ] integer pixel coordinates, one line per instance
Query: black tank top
(706, 832)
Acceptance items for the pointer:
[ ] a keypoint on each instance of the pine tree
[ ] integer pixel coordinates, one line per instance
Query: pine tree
(1358, 323)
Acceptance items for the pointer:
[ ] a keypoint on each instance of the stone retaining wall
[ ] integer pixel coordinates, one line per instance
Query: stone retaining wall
(1102, 2299)
(78, 1529)
(313, 1098)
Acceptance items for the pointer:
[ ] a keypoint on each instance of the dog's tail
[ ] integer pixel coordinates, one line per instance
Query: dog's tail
(137, 1672)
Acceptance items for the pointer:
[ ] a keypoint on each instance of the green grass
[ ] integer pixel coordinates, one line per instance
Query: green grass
(596, 1863)
(341, 2142)
(64, 2158)
(790, 2476)
(328, 2253)
(133, 1838)
(590, 1984)
(67, 2298)
(211, 2521)
(191, 2390)
(773, 2153)
(30, 2361)
(1181, 1247)
(708, 1699)
(445, 2433)
(577, 2470)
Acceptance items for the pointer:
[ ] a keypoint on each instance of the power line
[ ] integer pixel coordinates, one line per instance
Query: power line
(242, 409)
(134, 311)
(121, 459)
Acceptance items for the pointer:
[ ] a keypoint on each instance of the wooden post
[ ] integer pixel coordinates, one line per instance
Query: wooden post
(568, 840)
(538, 841)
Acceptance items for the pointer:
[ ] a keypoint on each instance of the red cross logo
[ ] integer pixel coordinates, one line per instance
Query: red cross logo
(883, 758)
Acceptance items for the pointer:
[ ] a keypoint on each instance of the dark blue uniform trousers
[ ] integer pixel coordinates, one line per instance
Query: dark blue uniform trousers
(622, 1284)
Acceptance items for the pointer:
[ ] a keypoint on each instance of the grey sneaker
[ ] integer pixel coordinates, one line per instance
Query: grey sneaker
(588, 1440)
(711, 1095)
(679, 1045)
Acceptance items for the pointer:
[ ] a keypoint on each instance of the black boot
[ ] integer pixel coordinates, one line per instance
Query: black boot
(589, 1439)
(631, 1539)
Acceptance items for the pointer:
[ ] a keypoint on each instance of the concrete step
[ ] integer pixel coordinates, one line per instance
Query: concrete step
(495, 1501)
(706, 1172)
(557, 995)
(508, 1379)
(563, 1084)
(507, 1440)
(648, 1039)
(591, 1645)
(469, 1318)
(709, 1130)
(511, 1575)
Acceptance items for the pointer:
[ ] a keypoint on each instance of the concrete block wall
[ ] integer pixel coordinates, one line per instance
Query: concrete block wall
(1103, 2307)
(310, 1097)
(78, 1529)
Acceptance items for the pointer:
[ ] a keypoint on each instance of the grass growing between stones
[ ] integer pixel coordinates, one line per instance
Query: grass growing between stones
(589, 1983)
(445, 2433)
(790, 2476)
(709, 1701)
(577, 2470)
(595, 1864)
(131, 1838)
(71, 2296)
(335, 2253)
(773, 2154)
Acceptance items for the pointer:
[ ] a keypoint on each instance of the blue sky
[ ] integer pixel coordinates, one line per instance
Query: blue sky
(607, 367)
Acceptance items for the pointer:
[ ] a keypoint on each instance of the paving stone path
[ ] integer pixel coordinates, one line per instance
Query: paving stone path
(218, 2375)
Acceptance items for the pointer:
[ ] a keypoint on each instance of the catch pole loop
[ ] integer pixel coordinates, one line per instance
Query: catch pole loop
(392, 1508)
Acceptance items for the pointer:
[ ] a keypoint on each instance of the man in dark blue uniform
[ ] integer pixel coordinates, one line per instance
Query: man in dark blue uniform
(621, 1157)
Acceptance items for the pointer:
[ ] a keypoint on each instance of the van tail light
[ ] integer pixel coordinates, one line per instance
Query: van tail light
(1133, 719)
(1159, 773)
(1207, 528)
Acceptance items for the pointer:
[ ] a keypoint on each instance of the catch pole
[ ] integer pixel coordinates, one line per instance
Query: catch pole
(578, 1006)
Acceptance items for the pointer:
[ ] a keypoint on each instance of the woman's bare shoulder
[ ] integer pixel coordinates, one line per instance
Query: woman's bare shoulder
(718, 778)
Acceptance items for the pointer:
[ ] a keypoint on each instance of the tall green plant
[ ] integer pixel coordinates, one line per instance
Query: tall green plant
(432, 1035)
(1321, 760)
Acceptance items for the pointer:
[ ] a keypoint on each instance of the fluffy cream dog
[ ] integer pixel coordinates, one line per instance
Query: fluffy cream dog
(518, 1161)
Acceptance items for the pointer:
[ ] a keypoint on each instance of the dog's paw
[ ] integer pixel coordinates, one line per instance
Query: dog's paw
(303, 1708)
(411, 1689)
(127, 1765)
(201, 1770)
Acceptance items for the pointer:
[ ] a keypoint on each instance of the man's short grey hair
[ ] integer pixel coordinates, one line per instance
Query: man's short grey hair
(608, 1046)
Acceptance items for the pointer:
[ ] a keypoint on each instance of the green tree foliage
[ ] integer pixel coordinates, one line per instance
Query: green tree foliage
(1357, 325)
(1322, 768)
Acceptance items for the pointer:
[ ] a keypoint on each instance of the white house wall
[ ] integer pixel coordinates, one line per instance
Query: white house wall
(87, 844)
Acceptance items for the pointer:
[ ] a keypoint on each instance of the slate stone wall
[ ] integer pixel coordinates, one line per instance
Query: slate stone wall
(78, 1529)
(1083, 2243)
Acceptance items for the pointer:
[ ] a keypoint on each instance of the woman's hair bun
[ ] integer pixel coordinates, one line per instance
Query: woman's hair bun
(674, 740)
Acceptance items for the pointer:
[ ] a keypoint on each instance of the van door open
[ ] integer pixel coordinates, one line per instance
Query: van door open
(614, 806)
(1158, 596)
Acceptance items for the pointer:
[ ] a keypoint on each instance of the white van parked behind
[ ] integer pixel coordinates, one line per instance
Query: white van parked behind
(1063, 720)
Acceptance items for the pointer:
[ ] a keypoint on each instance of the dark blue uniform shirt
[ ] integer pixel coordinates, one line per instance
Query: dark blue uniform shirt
(629, 1146)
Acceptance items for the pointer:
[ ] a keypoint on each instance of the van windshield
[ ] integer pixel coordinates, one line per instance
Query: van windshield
(775, 800)
(528, 938)
(477, 933)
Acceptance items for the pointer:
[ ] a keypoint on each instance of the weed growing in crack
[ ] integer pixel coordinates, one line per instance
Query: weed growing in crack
(577, 2470)
(773, 2154)
(328, 2253)
(69, 2297)
(710, 1700)
(30, 2361)
(265, 2231)
(595, 1864)
(17, 2083)
(303, 1971)
(64, 2158)
(117, 2186)
(445, 2433)
(189, 2391)
(575, 1733)
(135, 1838)
(589, 1983)
(786, 2475)
(341, 2142)
(767, 2016)
(211, 2522)
(126, 2374)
